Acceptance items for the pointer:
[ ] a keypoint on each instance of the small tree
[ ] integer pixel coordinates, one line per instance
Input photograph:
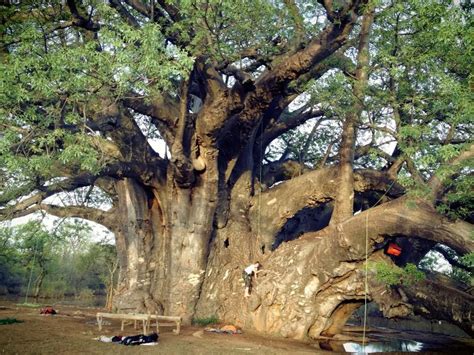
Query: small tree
(100, 265)
(34, 244)
(10, 273)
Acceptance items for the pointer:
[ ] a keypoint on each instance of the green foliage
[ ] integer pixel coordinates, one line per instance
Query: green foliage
(419, 94)
(100, 256)
(468, 260)
(459, 201)
(72, 264)
(222, 29)
(394, 275)
(205, 321)
(462, 274)
(54, 78)
(4, 321)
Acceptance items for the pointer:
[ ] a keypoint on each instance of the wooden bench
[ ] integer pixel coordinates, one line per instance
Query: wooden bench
(171, 322)
(145, 318)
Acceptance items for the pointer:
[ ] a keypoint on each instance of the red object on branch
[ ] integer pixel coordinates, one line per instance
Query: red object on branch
(394, 249)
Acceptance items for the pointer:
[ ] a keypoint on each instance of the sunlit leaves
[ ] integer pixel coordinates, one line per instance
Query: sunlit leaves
(459, 201)
(393, 275)
(70, 261)
(54, 73)
(222, 29)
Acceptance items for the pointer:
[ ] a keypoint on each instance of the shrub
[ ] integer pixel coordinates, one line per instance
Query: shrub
(86, 294)
(205, 321)
(4, 321)
(394, 275)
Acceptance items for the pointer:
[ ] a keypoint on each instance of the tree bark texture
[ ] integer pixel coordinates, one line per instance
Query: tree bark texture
(175, 260)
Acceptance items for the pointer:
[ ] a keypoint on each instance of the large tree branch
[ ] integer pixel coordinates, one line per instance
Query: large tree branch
(43, 192)
(401, 217)
(130, 140)
(163, 111)
(151, 173)
(303, 265)
(126, 15)
(344, 202)
(105, 218)
(437, 183)
(181, 148)
(449, 303)
(291, 121)
(285, 69)
(219, 103)
(274, 207)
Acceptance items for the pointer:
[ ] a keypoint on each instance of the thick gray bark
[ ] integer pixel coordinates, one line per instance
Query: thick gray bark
(306, 282)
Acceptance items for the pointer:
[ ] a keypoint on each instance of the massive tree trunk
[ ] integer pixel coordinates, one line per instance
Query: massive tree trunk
(181, 255)
(162, 237)
(310, 286)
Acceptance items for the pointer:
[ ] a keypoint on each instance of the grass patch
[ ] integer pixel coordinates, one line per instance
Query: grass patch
(205, 321)
(4, 321)
(29, 305)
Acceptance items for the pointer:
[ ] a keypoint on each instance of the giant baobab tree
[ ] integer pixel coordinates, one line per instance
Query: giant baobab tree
(381, 90)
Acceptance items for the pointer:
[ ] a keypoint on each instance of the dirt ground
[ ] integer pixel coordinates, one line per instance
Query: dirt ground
(73, 329)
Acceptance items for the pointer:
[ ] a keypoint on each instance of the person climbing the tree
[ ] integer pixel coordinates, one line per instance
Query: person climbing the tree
(249, 271)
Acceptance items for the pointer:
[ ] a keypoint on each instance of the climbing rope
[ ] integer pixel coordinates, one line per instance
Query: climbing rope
(366, 288)
(259, 207)
(366, 281)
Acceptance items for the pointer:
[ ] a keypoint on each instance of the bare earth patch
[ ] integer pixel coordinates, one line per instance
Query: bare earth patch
(72, 330)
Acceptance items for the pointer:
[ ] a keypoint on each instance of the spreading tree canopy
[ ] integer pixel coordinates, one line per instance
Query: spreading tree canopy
(280, 118)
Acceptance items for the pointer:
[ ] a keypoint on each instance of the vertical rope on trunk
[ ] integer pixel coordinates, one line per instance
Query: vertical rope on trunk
(259, 210)
(366, 282)
(366, 287)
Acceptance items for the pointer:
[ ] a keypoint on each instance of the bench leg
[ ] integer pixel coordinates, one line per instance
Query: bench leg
(99, 322)
(178, 328)
(123, 324)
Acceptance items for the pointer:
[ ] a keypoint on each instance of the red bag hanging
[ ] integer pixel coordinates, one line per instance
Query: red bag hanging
(394, 249)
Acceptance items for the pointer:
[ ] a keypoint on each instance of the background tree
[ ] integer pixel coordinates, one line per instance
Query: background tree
(10, 273)
(100, 264)
(55, 263)
(35, 246)
(384, 86)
